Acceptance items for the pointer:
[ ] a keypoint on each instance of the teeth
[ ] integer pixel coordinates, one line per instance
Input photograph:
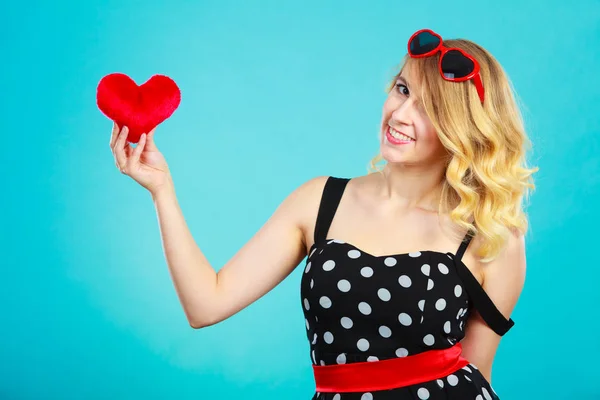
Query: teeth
(399, 136)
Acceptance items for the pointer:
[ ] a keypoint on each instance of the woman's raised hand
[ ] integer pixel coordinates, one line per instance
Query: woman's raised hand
(144, 164)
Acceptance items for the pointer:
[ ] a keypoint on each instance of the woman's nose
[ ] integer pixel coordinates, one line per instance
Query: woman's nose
(403, 113)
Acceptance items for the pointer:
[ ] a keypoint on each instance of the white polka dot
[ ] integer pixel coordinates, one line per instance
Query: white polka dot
(404, 281)
(344, 285)
(486, 394)
(401, 352)
(429, 340)
(328, 265)
(363, 344)
(447, 327)
(440, 383)
(460, 310)
(306, 304)
(354, 254)
(405, 319)
(452, 380)
(314, 339)
(479, 397)
(473, 366)
(425, 269)
(421, 319)
(307, 325)
(429, 284)
(384, 294)
(372, 358)
(390, 261)
(312, 252)
(341, 359)
(337, 397)
(366, 396)
(421, 305)
(464, 312)
(385, 332)
(457, 290)
(466, 368)
(461, 325)
(346, 322)
(467, 378)
(313, 357)
(322, 363)
(312, 283)
(423, 393)
(443, 269)
(328, 337)
(325, 302)
(440, 304)
(414, 254)
(307, 267)
(364, 308)
(367, 272)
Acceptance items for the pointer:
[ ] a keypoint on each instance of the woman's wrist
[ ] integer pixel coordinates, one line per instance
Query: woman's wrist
(164, 190)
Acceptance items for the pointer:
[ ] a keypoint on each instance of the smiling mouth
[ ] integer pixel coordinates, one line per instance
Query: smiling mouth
(398, 136)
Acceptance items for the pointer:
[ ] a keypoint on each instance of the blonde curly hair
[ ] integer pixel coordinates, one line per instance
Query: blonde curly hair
(487, 177)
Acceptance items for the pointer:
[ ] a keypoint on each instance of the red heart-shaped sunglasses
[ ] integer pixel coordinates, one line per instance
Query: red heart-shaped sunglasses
(455, 65)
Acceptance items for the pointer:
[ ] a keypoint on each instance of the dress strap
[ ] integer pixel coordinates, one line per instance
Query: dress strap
(463, 245)
(332, 194)
(479, 298)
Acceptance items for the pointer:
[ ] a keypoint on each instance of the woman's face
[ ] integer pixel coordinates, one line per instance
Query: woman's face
(407, 135)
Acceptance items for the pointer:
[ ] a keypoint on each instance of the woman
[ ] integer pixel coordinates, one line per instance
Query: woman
(413, 270)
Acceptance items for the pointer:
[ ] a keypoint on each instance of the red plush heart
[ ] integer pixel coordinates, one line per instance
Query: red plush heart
(140, 108)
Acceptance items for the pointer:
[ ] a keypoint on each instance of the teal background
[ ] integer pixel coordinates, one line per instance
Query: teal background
(273, 94)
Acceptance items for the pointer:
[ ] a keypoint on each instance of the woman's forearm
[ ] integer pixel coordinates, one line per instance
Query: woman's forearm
(194, 278)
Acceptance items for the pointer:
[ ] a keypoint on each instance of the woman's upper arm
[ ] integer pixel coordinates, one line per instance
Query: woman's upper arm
(503, 282)
(270, 255)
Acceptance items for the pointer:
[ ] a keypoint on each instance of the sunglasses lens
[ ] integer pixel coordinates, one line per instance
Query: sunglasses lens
(455, 65)
(423, 43)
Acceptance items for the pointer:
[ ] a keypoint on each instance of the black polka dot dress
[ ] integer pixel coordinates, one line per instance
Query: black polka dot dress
(364, 308)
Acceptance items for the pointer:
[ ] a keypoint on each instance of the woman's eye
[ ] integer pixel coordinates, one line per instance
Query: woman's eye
(402, 88)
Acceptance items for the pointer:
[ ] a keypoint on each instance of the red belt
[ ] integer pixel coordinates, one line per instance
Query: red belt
(389, 374)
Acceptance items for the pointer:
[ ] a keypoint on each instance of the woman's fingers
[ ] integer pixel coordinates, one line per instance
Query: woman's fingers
(150, 144)
(135, 154)
(119, 149)
(114, 134)
(128, 150)
(125, 155)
